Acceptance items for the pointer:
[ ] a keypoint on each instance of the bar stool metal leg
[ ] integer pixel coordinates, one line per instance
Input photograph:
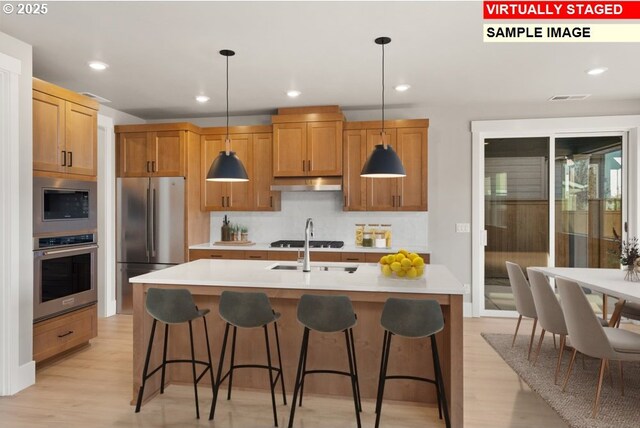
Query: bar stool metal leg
(296, 388)
(355, 367)
(212, 412)
(439, 381)
(206, 336)
(304, 372)
(353, 377)
(284, 394)
(146, 366)
(382, 357)
(233, 359)
(164, 357)
(271, 385)
(193, 366)
(385, 353)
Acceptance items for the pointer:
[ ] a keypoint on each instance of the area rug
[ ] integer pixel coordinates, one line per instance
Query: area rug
(576, 403)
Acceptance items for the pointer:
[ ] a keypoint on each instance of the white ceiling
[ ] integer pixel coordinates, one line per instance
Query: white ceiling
(163, 54)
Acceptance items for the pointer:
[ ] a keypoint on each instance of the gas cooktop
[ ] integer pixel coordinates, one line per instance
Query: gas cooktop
(312, 244)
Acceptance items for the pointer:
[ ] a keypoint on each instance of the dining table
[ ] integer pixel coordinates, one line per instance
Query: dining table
(609, 282)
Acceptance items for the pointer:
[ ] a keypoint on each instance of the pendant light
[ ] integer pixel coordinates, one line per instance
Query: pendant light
(227, 166)
(383, 161)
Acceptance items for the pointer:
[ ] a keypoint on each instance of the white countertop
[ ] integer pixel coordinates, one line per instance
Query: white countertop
(437, 279)
(348, 248)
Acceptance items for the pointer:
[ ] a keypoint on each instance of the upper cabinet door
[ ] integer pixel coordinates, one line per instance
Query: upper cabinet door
(354, 186)
(264, 199)
(81, 139)
(134, 159)
(166, 153)
(324, 148)
(381, 192)
(240, 196)
(290, 149)
(412, 189)
(48, 133)
(213, 193)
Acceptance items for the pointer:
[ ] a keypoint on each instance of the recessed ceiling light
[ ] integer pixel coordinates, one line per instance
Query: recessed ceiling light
(293, 94)
(596, 71)
(97, 65)
(202, 98)
(403, 87)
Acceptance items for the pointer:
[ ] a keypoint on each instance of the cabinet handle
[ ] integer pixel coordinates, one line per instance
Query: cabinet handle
(308, 165)
(70, 158)
(345, 200)
(60, 336)
(215, 256)
(352, 259)
(223, 201)
(148, 169)
(303, 166)
(153, 166)
(228, 204)
(64, 158)
(399, 201)
(393, 201)
(255, 257)
(270, 201)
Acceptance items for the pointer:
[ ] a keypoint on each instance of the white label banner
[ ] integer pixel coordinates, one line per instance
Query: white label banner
(561, 33)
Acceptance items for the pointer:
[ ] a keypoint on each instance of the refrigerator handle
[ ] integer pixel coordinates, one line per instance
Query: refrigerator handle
(146, 223)
(153, 224)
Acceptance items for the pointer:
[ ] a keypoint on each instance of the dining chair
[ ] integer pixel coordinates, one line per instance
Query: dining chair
(589, 337)
(550, 315)
(524, 300)
(630, 310)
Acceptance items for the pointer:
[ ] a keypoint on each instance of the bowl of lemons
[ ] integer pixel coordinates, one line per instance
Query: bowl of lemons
(402, 265)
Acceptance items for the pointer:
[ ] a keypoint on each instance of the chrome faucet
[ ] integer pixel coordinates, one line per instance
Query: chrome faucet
(308, 233)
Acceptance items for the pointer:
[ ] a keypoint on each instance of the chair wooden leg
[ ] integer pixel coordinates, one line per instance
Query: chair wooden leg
(516, 333)
(608, 369)
(615, 317)
(596, 404)
(554, 342)
(533, 335)
(566, 378)
(621, 378)
(535, 359)
(563, 339)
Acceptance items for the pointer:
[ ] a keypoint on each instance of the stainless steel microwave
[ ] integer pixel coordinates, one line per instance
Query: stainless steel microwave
(62, 205)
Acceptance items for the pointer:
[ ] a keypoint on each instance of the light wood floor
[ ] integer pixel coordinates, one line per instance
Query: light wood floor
(92, 388)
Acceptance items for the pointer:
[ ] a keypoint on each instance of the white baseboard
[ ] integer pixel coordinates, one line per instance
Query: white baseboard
(467, 309)
(110, 308)
(24, 377)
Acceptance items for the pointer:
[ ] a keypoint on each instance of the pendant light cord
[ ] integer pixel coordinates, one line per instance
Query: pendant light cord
(384, 144)
(227, 141)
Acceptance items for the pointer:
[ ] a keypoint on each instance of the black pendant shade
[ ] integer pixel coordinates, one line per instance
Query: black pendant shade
(227, 167)
(383, 163)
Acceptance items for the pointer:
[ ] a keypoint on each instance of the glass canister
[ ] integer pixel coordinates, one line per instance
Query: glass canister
(359, 234)
(386, 228)
(367, 239)
(379, 239)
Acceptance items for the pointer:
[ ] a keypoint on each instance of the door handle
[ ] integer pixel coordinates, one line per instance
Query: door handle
(147, 221)
(70, 159)
(153, 225)
(64, 158)
(69, 250)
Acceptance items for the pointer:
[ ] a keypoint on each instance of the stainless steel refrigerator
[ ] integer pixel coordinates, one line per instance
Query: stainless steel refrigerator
(150, 230)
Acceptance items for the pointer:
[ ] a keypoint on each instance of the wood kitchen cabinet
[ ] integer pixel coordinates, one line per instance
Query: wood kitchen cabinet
(65, 132)
(152, 153)
(409, 139)
(254, 147)
(307, 145)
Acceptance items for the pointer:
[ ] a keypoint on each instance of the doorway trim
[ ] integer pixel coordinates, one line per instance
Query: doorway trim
(553, 127)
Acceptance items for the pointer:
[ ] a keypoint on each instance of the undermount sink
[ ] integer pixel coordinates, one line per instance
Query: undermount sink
(348, 269)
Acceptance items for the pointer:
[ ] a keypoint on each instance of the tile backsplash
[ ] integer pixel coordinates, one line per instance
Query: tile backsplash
(330, 222)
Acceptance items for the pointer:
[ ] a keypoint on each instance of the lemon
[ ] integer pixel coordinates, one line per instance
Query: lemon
(406, 263)
(383, 260)
(386, 270)
(412, 273)
(403, 252)
(420, 271)
(399, 257)
(412, 256)
(418, 262)
(391, 258)
(395, 266)
(401, 273)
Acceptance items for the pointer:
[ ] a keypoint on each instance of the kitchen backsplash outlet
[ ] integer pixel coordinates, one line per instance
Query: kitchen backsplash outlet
(330, 222)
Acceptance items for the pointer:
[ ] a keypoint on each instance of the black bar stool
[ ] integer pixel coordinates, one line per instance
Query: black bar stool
(174, 307)
(248, 310)
(326, 314)
(413, 319)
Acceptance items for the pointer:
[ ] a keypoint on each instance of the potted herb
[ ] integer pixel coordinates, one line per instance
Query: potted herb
(244, 230)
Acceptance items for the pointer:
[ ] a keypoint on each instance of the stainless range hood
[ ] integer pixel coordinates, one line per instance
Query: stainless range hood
(302, 184)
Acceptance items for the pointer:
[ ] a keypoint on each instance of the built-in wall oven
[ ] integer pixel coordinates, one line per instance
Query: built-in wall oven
(65, 273)
(62, 205)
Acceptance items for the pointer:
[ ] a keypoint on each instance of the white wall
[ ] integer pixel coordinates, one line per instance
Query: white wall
(23, 52)
(119, 117)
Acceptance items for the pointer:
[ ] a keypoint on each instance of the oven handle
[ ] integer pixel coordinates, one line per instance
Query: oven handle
(69, 250)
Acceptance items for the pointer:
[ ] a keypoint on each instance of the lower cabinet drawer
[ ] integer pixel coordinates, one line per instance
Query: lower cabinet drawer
(257, 255)
(56, 335)
(216, 254)
(353, 257)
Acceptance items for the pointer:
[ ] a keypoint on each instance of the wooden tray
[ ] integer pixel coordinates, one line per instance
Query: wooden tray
(235, 243)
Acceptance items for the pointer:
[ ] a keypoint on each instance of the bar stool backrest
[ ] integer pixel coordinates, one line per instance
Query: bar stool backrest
(521, 291)
(171, 306)
(246, 310)
(327, 314)
(550, 315)
(412, 317)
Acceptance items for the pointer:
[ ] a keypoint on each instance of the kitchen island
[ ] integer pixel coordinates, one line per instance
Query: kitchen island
(207, 279)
